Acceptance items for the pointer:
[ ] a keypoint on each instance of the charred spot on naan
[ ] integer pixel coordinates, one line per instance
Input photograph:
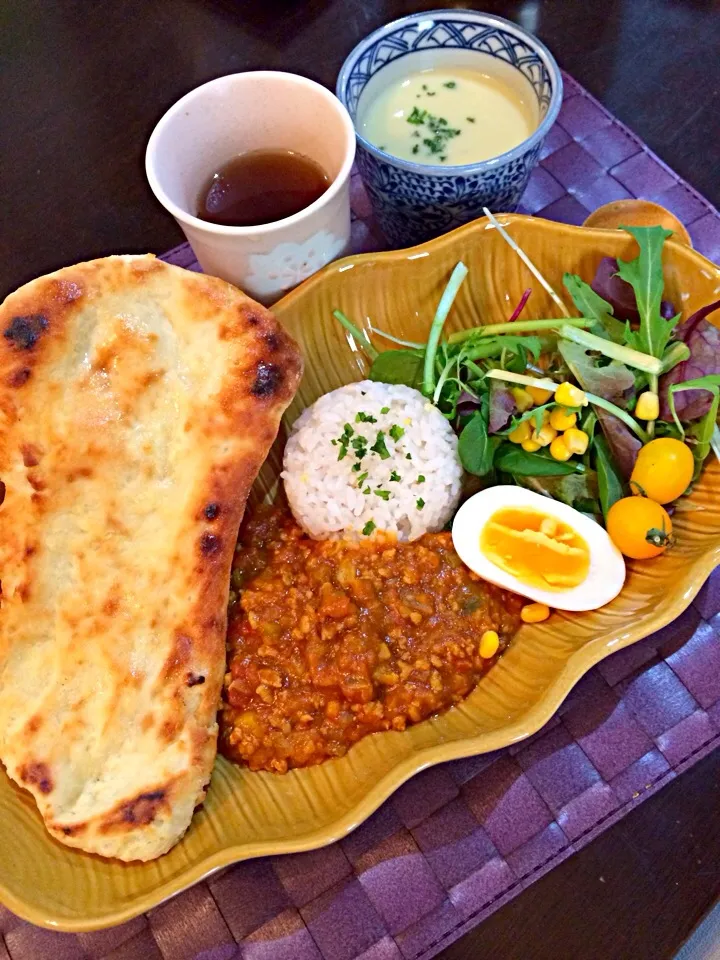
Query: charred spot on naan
(69, 831)
(19, 377)
(37, 774)
(24, 332)
(31, 454)
(210, 544)
(26, 329)
(268, 380)
(138, 812)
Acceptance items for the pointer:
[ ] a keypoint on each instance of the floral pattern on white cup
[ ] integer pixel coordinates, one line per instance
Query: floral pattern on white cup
(288, 264)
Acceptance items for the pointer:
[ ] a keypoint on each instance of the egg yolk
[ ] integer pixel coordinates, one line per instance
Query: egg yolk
(538, 549)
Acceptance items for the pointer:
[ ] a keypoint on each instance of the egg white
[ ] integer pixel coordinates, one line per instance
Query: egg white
(606, 573)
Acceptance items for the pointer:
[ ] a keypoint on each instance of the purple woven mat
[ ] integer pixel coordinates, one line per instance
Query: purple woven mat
(461, 839)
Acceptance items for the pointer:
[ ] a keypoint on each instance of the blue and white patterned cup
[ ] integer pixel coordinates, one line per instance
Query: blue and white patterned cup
(413, 201)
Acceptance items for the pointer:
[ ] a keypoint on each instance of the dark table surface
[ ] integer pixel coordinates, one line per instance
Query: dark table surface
(82, 83)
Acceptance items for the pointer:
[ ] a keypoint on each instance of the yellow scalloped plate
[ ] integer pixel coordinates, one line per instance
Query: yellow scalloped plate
(255, 814)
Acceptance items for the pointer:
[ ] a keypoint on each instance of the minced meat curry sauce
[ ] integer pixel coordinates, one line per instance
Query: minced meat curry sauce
(329, 641)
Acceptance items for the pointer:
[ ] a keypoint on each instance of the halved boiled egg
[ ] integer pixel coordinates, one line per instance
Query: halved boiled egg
(539, 548)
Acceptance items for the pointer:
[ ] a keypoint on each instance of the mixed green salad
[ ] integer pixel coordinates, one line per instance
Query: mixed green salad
(565, 405)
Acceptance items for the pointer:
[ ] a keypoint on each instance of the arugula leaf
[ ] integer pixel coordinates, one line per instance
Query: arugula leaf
(595, 308)
(513, 459)
(449, 396)
(398, 366)
(514, 360)
(476, 448)
(610, 484)
(531, 344)
(645, 276)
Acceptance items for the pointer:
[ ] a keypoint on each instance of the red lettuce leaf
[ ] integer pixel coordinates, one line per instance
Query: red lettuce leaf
(502, 405)
(467, 404)
(703, 341)
(620, 295)
(623, 443)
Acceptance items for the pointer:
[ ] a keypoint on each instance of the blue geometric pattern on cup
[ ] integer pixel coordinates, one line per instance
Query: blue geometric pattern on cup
(450, 33)
(411, 207)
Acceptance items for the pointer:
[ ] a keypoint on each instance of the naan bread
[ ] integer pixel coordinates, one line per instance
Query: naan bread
(137, 404)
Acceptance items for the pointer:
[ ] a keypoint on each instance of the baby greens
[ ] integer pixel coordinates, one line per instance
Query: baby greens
(479, 378)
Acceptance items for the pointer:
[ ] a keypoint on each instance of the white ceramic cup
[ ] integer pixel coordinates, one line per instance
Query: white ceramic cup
(258, 110)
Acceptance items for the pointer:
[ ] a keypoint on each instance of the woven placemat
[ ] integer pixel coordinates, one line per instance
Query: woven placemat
(461, 839)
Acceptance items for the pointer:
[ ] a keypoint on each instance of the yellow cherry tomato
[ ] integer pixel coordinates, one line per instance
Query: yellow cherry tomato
(663, 470)
(640, 528)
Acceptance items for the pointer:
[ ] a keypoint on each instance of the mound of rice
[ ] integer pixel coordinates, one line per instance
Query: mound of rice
(372, 456)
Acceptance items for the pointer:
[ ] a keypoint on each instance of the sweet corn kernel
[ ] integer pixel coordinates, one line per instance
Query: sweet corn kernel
(523, 400)
(489, 644)
(576, 440)
(534, 613)
(570, 396)
(559, 449)
(648, 406)
(562, 420)
(521, 433)
(530, 446)
(539, 395)
(544, 436)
